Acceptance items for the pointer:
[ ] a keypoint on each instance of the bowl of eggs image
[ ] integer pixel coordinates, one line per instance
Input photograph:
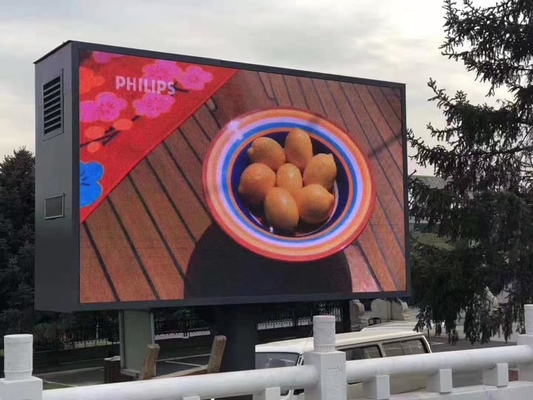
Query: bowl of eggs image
(288, 184)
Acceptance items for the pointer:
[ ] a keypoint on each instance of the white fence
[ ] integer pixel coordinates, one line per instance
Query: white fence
(324, 377)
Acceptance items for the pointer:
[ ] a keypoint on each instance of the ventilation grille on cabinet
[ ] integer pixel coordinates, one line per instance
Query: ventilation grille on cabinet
(52, 106)
(54, 207)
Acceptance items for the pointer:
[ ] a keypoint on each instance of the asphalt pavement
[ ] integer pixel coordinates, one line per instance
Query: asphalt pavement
(95, 375)
(465, 378)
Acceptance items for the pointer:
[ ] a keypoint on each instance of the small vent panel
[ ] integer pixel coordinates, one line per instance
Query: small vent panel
(54, 207)
(52, 106)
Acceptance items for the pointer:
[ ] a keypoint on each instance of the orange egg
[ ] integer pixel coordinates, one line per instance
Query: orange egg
(267, 151)
(315, 203)
(321, 169)
(256, 180)
(298, 148)
(289, 177)
(281, 210)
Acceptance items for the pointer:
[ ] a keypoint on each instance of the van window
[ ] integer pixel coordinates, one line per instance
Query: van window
(405, 348)
(413, 347)
(362, 353)
(393, 349)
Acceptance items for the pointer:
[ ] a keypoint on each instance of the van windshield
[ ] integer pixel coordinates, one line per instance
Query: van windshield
(275, 360)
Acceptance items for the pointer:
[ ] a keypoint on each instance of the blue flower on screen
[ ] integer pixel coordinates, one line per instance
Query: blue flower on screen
(90, 188)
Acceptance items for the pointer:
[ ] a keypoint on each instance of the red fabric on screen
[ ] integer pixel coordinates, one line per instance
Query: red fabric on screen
(128, 106)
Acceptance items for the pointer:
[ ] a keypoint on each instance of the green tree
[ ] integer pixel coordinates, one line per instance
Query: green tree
(17, 253)
(484, 153)
(17, 177)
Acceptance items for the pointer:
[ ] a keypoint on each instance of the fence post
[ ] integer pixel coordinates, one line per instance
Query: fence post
(18, 383)
(525, 371)
(329, 363)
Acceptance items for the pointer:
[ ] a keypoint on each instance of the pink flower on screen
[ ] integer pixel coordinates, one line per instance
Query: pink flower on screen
(162, 70)
(194, 78)
(102, 57)
(153, 104)
(106, 107)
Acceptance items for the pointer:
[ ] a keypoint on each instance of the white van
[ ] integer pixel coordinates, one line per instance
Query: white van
(371, 342)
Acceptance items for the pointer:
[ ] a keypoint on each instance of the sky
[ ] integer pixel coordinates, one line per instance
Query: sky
(393, 40)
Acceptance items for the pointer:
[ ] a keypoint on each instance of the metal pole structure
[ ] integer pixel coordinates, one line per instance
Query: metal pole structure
(136, 330)
(239, 324)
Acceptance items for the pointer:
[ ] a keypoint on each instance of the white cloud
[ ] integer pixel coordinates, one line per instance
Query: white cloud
(388, 40)
(16, 122)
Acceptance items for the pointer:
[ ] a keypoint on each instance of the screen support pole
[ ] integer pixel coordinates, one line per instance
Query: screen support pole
(136, 330)
(239, 324)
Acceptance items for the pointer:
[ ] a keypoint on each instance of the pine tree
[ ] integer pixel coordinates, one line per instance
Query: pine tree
(17, 242)
(485, 211)
(17, 262)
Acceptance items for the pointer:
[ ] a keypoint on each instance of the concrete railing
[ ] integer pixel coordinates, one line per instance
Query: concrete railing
(324, 377)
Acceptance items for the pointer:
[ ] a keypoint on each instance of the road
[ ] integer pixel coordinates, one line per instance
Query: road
(95, 375)
(469, 378)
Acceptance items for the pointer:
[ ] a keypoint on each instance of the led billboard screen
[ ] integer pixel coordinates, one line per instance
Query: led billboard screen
(204, 182)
